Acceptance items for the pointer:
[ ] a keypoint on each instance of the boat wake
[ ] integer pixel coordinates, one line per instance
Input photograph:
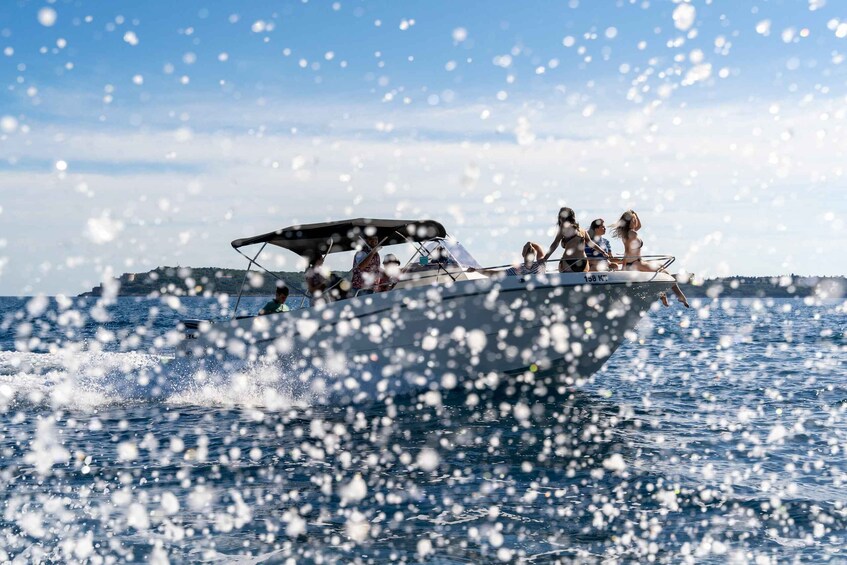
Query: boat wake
(89, 381)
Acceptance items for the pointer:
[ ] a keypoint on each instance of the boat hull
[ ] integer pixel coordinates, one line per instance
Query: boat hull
(468, 333)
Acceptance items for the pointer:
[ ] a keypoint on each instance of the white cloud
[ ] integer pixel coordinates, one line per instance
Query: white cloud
(694, 172)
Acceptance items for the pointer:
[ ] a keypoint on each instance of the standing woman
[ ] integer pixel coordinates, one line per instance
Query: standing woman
(573, 240)
(365, 272)
(627, 231)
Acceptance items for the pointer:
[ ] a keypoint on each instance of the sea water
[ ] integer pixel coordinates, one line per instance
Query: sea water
(713, 434)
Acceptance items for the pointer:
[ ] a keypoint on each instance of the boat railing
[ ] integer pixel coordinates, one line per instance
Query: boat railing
(661, 262)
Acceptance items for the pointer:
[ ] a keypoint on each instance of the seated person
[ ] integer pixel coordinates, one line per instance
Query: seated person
(317, 278)
(278, 304)
(573, 240)
(532, 264)
(389, 275)
(598, 261)
(627, 229)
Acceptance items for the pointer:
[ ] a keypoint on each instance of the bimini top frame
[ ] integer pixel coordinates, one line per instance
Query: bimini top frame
(312, 241)
(316, 240)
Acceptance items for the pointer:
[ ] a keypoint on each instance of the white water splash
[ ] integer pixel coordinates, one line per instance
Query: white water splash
(82, 380)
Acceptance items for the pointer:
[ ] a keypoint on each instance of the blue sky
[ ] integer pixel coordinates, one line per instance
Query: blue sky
(137, 134)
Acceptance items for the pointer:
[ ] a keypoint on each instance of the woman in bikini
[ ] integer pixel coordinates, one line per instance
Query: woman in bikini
(627, 231)
(573, 240)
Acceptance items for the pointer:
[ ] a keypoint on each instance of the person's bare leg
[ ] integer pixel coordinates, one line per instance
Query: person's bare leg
(679, 295)
(664, 298)
(644, 267)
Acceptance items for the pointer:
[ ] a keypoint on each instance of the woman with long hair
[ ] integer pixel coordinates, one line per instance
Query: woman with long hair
(573, 240)
(626, 230)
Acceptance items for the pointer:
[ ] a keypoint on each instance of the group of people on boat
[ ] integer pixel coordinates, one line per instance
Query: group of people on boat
(583, 250)
(587, 250)
(368, 275)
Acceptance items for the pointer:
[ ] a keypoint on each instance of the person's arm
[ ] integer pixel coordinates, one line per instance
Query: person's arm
(371, 253)
(553, 247)
(612, 259)
(589, 241)
(264, 311)
(366, 258)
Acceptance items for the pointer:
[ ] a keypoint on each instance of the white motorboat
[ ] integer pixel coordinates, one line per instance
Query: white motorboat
(444, 324)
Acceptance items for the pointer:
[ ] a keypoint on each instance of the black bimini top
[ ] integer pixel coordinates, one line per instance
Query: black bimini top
(313, 240)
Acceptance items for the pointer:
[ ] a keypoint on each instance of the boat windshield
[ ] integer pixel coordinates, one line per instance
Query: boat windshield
(442, 251)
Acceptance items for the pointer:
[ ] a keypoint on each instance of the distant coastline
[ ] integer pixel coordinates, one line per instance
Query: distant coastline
(197, 281)
(213, 281)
